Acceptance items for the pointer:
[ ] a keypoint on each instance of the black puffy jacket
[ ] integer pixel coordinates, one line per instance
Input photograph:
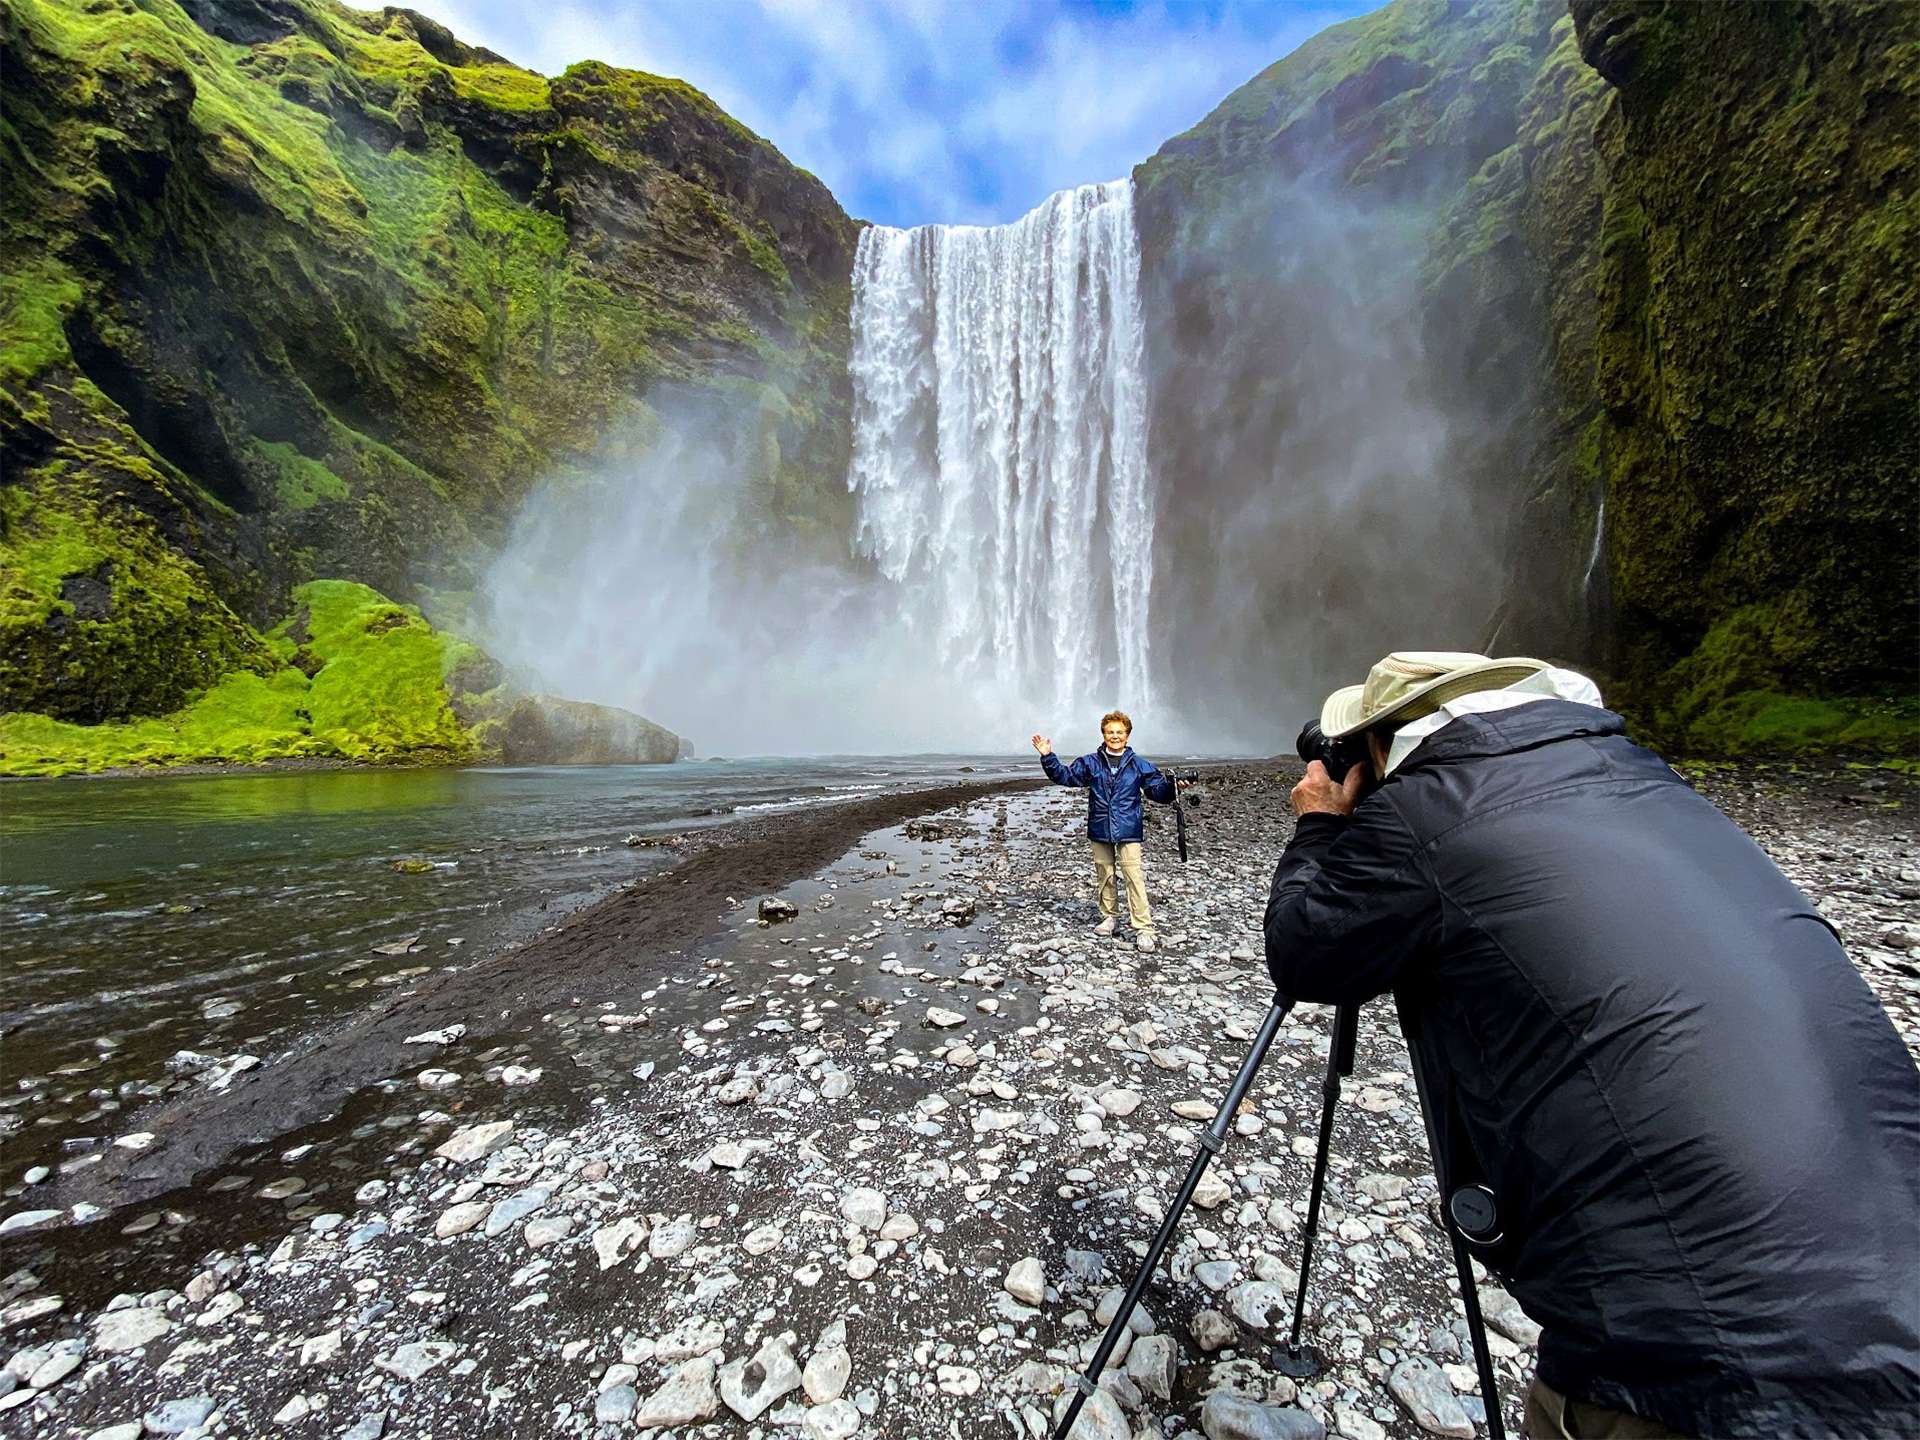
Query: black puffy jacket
(1702, 1131)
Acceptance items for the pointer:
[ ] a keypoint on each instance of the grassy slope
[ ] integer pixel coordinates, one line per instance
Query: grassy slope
(377, 691)
(327, 295)
(1736, 393)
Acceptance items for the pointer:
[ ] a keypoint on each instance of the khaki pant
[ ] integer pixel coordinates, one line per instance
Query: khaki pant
(1124, 857)
(1552, 1416)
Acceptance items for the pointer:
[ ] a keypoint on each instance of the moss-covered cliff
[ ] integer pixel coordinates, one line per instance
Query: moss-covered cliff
(292, 291)
(1757, 364)
(1628, 283)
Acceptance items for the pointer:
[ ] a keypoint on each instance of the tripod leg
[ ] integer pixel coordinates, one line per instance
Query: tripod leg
(1212, 1141)
(1346, 1023)
(1477, 1332)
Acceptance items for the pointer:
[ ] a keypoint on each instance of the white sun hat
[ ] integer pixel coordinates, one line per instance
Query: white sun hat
(1411, 683)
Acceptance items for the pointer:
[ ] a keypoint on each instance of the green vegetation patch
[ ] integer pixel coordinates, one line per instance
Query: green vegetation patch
(303, 481)
(376, 692)
(99, 617)
(381, 690)
(1729, 699)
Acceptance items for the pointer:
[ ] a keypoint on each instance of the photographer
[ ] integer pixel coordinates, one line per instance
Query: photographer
(1700, 1130)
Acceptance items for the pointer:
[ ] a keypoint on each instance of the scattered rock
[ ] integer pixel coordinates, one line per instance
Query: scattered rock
(957, 1380)
(412, 1361)
(445, 1035)
(515, 1208)
(1100, 1419)
(827, 1373)
(1152, 1362)
(864, 1207)
(1227, 1416)
(685, 1398)
(1424, 1389)
(1026, 1281)
(615, 1405)
(458, 1219)
(749, 1387)
(121, 1330)
(1213, 1331)
(836, 1420)
(614, 1243)
(475, 1142)
(175, 1416)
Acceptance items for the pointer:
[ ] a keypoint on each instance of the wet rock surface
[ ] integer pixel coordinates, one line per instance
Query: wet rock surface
(754, 1191)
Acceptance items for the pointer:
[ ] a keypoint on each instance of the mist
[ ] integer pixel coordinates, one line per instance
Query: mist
(1314, 460)
(644, 582)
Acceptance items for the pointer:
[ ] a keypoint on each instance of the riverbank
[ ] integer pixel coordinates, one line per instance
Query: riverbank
(681, 1163)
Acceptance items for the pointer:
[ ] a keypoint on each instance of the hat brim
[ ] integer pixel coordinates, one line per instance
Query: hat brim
(1345, 712)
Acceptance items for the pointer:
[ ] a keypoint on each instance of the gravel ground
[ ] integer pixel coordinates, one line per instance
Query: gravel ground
(873, 1170)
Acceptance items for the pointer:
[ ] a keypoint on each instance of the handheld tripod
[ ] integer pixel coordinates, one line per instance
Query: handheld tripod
(1469, 1217)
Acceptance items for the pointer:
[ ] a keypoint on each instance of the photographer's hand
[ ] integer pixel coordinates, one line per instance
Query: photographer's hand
(1316, 794)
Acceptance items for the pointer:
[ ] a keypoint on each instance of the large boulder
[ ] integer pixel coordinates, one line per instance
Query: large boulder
(547, 730)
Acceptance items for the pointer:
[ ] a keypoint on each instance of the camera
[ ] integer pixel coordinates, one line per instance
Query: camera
(1339, 756)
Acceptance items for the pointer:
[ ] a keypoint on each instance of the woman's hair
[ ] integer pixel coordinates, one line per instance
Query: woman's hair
(1113, 715)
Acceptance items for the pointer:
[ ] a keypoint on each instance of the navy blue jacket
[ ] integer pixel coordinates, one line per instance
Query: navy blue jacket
(1113, 800)
(1702, 1131)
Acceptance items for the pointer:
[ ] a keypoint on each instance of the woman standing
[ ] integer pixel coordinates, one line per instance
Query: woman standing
(1114, 779)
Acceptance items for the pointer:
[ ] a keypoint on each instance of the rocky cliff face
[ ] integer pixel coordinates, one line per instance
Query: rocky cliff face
(297, 291)
(1757, 362)
(1576, 333)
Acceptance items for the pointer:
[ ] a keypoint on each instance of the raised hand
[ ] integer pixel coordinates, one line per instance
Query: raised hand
(1043, 744)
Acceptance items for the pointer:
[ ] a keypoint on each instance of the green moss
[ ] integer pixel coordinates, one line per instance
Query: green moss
(378, 693)
(1758, 353)
(1767, 722)
(764, 252)
(382, 688)
(394, 58)
(245, 719)
(35, 299)
(1728, 698)
(332, 304)
(303, 482)
(98, 616)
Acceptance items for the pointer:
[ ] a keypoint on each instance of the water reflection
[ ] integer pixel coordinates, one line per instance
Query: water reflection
(223, 914)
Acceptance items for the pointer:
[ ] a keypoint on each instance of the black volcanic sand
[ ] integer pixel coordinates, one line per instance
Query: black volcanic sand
(727, 1091)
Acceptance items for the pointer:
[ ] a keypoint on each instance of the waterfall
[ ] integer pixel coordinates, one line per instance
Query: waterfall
(1599, 548)
(1000, 448)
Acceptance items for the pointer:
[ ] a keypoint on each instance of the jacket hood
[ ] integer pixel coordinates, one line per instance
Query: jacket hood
(1508, 732)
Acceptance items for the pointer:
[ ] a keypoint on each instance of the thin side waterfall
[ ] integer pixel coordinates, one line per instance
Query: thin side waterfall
(1599, 547)
(1000, 447)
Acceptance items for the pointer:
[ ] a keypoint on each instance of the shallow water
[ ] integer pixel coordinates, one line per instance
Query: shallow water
(223, 914)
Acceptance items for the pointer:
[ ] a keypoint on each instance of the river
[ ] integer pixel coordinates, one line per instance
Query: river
(219, 915)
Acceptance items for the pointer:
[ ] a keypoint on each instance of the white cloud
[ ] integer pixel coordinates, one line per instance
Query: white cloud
(917, 110)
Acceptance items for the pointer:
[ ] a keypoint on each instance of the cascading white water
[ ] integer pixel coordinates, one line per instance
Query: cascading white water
(1000, 446)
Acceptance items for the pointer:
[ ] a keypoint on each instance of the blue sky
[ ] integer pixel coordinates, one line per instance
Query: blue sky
(917, 111)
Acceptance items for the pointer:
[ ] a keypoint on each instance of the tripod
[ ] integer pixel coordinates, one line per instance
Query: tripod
(1469, 1216)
